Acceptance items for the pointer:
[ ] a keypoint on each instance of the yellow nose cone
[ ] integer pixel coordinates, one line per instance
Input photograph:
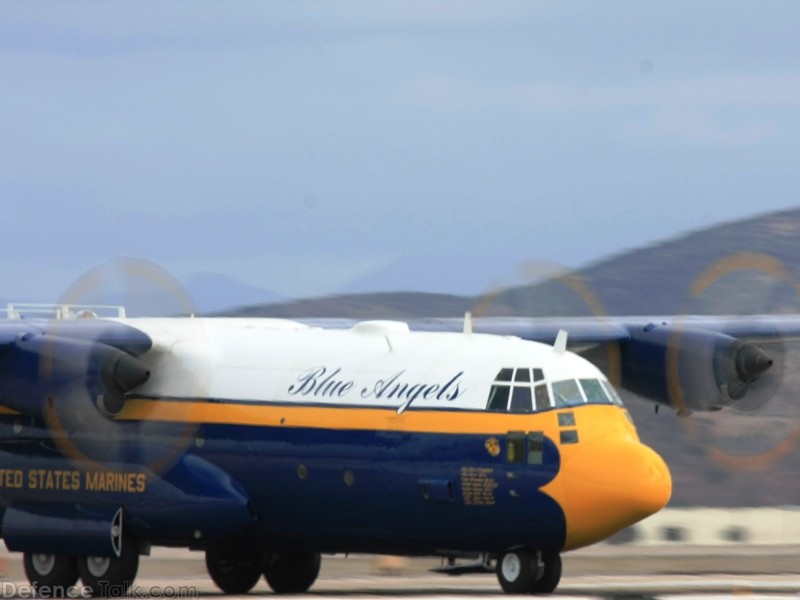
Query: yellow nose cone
(608, 485)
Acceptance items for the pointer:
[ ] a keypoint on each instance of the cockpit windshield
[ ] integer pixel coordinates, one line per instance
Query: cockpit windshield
(519, 390)
(523, 390)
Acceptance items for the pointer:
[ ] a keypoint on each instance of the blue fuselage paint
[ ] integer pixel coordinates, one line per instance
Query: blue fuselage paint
(331, 490)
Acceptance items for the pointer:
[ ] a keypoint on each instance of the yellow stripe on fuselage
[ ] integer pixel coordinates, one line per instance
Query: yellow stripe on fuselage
(591, 420)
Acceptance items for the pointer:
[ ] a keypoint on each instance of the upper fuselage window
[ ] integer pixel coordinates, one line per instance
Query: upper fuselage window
(520, 390)
(505, 375)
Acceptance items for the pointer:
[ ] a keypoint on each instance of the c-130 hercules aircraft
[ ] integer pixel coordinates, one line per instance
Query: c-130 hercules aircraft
(266, 442)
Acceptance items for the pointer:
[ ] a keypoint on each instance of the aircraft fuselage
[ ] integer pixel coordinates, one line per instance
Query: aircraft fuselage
(274, 435)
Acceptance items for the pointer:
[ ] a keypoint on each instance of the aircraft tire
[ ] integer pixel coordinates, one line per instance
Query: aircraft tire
(233, 574)
(54, 571)
(110, 577)
(551, 575)
(292, 572)
(517, 571)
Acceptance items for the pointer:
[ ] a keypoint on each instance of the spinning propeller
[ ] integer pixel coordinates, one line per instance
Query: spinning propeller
(696, 368)
(764, 425)
(96, 371)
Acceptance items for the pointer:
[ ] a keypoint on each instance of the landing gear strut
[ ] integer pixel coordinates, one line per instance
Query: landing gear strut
(523, 571)
(291, 572)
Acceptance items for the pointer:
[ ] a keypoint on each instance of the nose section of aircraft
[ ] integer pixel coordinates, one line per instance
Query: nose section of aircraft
(608, 485)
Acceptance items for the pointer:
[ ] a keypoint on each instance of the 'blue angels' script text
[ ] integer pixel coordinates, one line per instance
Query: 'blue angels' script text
(322, 382)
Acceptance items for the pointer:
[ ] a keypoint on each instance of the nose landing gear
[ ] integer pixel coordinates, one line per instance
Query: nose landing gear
(524, 571)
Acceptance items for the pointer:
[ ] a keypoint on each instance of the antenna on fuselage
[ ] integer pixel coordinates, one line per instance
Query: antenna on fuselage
(560, 345)
(467, 322)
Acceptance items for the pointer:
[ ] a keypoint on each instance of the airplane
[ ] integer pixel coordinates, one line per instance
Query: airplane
(266, 443)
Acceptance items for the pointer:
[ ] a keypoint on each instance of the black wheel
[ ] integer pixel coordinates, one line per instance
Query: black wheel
(550, 574)
(233, 573)
(517, 571)
(110, 577)
(292, 572)
(55, 572)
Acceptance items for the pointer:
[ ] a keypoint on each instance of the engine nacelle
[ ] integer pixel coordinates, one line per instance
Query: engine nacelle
(37, 367)
(690, 369)
(58, 528)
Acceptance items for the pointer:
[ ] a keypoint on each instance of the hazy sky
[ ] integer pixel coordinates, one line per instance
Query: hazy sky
(319, 147)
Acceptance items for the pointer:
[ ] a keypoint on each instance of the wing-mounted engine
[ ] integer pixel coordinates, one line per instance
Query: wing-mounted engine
(693, 369)
(75, 367)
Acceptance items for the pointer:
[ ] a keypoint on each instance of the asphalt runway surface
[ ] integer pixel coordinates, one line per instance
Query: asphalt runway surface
(603, 571)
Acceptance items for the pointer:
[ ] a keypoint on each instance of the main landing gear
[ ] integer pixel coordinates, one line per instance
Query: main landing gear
(236, 572)
(105, 577)
(51, 571)
(110, 577)
(523, 571)
(233, 572)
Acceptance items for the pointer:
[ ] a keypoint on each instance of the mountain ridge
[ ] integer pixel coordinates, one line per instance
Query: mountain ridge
(663, 272)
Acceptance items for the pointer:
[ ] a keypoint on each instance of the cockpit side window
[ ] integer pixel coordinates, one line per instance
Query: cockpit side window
(567, 393)
(595, 393)
(542, 396)
(612, 393)
(570, 392)
(498, 398)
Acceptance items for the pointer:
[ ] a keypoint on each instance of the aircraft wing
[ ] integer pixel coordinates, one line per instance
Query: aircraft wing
(108, 333)
(692, 363)
(603, 330)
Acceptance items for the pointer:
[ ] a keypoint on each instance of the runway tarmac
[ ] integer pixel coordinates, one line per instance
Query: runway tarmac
(602, 571)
